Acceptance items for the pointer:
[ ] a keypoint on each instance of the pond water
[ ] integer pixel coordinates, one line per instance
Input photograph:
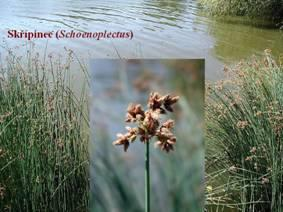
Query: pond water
(161, 28)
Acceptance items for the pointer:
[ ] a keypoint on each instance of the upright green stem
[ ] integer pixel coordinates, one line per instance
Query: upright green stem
(147, 178)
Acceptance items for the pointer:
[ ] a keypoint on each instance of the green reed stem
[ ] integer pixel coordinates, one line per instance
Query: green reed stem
(147, 178)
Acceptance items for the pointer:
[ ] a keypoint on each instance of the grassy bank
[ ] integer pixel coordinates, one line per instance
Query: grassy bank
(270, 9)
(43, 142)
(244, 117)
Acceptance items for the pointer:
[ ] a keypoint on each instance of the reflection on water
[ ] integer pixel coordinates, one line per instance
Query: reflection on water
(234, 42)
(162, 29)
(167, 12)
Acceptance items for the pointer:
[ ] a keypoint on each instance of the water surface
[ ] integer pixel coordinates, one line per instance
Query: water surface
(162, 29)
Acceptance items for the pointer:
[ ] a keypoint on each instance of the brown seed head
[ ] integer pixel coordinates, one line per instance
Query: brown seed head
(148, 125)
(169, 101)
(125, 139)
(166, 139)
(242, 124)
(169, 124)
(264, 180)
(132, 134)
(155, 102)
(134, 113)
(122, 140)
(2, 192)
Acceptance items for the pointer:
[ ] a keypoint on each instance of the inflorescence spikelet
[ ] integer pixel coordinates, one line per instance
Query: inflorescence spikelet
(148, 123)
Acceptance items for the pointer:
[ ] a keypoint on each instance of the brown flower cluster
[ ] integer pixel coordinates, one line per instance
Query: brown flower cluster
(242, 124)
(148, 123)
(2, 192)
(4, 116)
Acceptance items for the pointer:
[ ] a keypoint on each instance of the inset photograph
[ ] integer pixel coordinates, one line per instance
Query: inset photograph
(147, 147)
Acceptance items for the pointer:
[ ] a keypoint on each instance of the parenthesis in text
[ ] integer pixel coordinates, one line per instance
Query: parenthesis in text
(132, 35)
(57, 34)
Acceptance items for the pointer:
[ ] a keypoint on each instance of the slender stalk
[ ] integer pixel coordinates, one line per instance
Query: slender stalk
(150, 127)
(147, 178)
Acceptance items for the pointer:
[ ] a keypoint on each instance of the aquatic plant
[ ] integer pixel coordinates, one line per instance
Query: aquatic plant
(148, 127)
(43, 136)
(244, 116)
(271, 9)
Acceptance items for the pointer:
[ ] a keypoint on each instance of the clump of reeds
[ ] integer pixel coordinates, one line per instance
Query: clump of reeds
(244, 116)
(43, 136)
(149, 127)
(271, 9)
